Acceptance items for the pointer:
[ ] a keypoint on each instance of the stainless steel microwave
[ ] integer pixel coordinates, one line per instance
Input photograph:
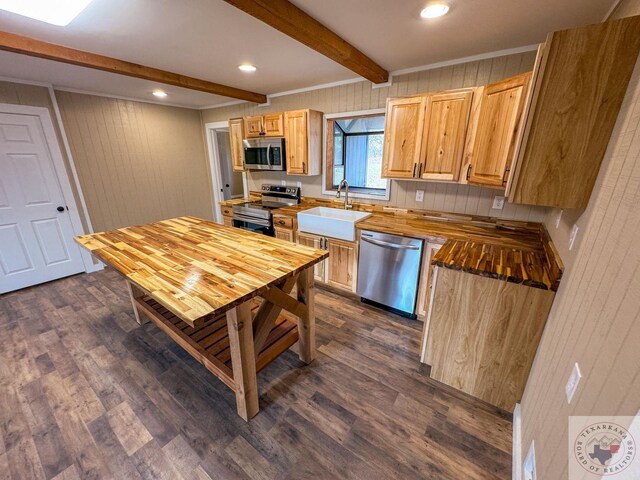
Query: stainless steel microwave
(264, 153)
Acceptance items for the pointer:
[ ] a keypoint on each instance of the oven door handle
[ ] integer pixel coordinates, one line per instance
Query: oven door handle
(257, 221)
(397, 246)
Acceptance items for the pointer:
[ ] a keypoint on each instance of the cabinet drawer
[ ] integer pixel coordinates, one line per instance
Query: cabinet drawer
(282, 222)
(227, 211)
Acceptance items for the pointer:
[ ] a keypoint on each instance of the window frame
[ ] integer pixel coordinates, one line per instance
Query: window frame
(327, 181)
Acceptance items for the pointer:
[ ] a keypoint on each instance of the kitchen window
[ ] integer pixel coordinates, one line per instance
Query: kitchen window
(353, 151)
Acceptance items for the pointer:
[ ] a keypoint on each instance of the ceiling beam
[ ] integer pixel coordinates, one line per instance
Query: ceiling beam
(294, 22)
(37, 48)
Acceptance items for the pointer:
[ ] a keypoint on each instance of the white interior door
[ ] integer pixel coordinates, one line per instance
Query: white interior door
(36, 235)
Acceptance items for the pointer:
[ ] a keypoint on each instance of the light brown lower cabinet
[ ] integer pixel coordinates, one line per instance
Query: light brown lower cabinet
(481, 334)
(285, 234)
(228, 222)
(339, 270)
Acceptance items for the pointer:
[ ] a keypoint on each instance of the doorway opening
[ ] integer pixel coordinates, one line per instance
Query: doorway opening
(227, 183)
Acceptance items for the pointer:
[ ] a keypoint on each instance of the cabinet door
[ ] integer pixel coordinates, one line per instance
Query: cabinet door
(313, 241)
(497, 131)
(253, 126)
(284, 234)
(445, 127)
(227, 221)
(235, 139)
(273, 124)
(341, 264)
(427, 277)
(404, 123)
(296, 142)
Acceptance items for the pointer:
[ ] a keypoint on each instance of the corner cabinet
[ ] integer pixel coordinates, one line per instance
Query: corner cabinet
(303, 137)
(495, 135)
(236, 135)
(404, 122)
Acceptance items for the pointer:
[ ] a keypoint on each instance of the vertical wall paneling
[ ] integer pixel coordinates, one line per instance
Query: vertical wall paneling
(595, 319)
(137, 162)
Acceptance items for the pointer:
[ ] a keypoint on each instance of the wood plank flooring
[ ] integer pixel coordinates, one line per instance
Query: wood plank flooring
(85, 392)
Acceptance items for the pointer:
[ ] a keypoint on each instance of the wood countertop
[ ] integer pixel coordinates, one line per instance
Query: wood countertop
(514, 251)
(195, 267)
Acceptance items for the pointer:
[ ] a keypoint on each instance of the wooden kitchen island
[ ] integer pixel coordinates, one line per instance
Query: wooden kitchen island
(200, 282)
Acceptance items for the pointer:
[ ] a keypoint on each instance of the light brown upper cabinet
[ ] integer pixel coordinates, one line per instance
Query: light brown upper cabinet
(404, 124)
(581, 77)
(235, 139)
(268, 125)
(443, 138)
(302, 133)
(493, 139)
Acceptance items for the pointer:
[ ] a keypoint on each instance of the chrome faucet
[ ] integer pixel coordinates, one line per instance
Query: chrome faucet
(347, 203)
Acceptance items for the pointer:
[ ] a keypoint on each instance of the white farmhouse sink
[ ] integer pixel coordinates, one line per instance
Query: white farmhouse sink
(330, 222)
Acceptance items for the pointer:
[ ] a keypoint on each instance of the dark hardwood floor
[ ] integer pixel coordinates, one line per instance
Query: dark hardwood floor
(87, 393)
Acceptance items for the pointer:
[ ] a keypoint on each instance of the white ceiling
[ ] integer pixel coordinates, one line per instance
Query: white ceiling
(207, 39)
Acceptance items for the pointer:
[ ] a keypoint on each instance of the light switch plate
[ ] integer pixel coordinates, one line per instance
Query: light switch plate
(574, 234)
(419, 195)
(572, 383)
(498, 202)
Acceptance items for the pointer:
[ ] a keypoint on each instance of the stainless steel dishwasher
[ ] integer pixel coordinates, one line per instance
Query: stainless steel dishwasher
(388, 271)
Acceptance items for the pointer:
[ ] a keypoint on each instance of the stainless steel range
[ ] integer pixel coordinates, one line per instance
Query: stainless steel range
(256, 216)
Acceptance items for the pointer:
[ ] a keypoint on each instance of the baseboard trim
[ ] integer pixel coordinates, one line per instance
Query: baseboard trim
(516, 449)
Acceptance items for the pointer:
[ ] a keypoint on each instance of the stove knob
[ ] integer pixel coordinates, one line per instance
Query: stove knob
(264, 188)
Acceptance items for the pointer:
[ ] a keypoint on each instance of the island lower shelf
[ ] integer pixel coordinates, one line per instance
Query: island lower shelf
(208, 343)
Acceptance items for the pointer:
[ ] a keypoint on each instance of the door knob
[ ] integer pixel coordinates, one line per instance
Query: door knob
(60, 209)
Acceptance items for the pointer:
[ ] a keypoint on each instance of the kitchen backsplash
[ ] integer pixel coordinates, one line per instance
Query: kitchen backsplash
(442, 197)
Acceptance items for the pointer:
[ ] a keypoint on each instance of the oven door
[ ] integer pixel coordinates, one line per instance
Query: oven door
(257, 225)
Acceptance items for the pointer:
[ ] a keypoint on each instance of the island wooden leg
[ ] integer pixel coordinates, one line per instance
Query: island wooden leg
(135, 292)
(307, 321)
(243, 360)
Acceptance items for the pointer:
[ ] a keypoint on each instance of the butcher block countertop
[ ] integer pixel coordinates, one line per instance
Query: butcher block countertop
(514, 251)
(195, 267)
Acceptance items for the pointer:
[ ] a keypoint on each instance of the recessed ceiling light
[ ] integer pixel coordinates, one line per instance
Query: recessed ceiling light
(247, 67)
(60, 12)
(159, 93)
(434, 10)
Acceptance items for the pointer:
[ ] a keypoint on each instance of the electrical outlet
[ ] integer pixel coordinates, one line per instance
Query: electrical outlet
(574, 234)
(558, 218)
(419, 195)
(498, 202)
(283, 183)
(299, 184)
(572, 383)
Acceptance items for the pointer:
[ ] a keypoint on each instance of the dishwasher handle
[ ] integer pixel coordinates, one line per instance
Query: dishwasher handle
(381, 243)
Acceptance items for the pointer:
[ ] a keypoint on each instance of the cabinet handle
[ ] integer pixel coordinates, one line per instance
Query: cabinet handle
(281, 222)
(505, 175)
(414, 170)
(468, 171)
(420, 171)
(321, 243)
(304, 167)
